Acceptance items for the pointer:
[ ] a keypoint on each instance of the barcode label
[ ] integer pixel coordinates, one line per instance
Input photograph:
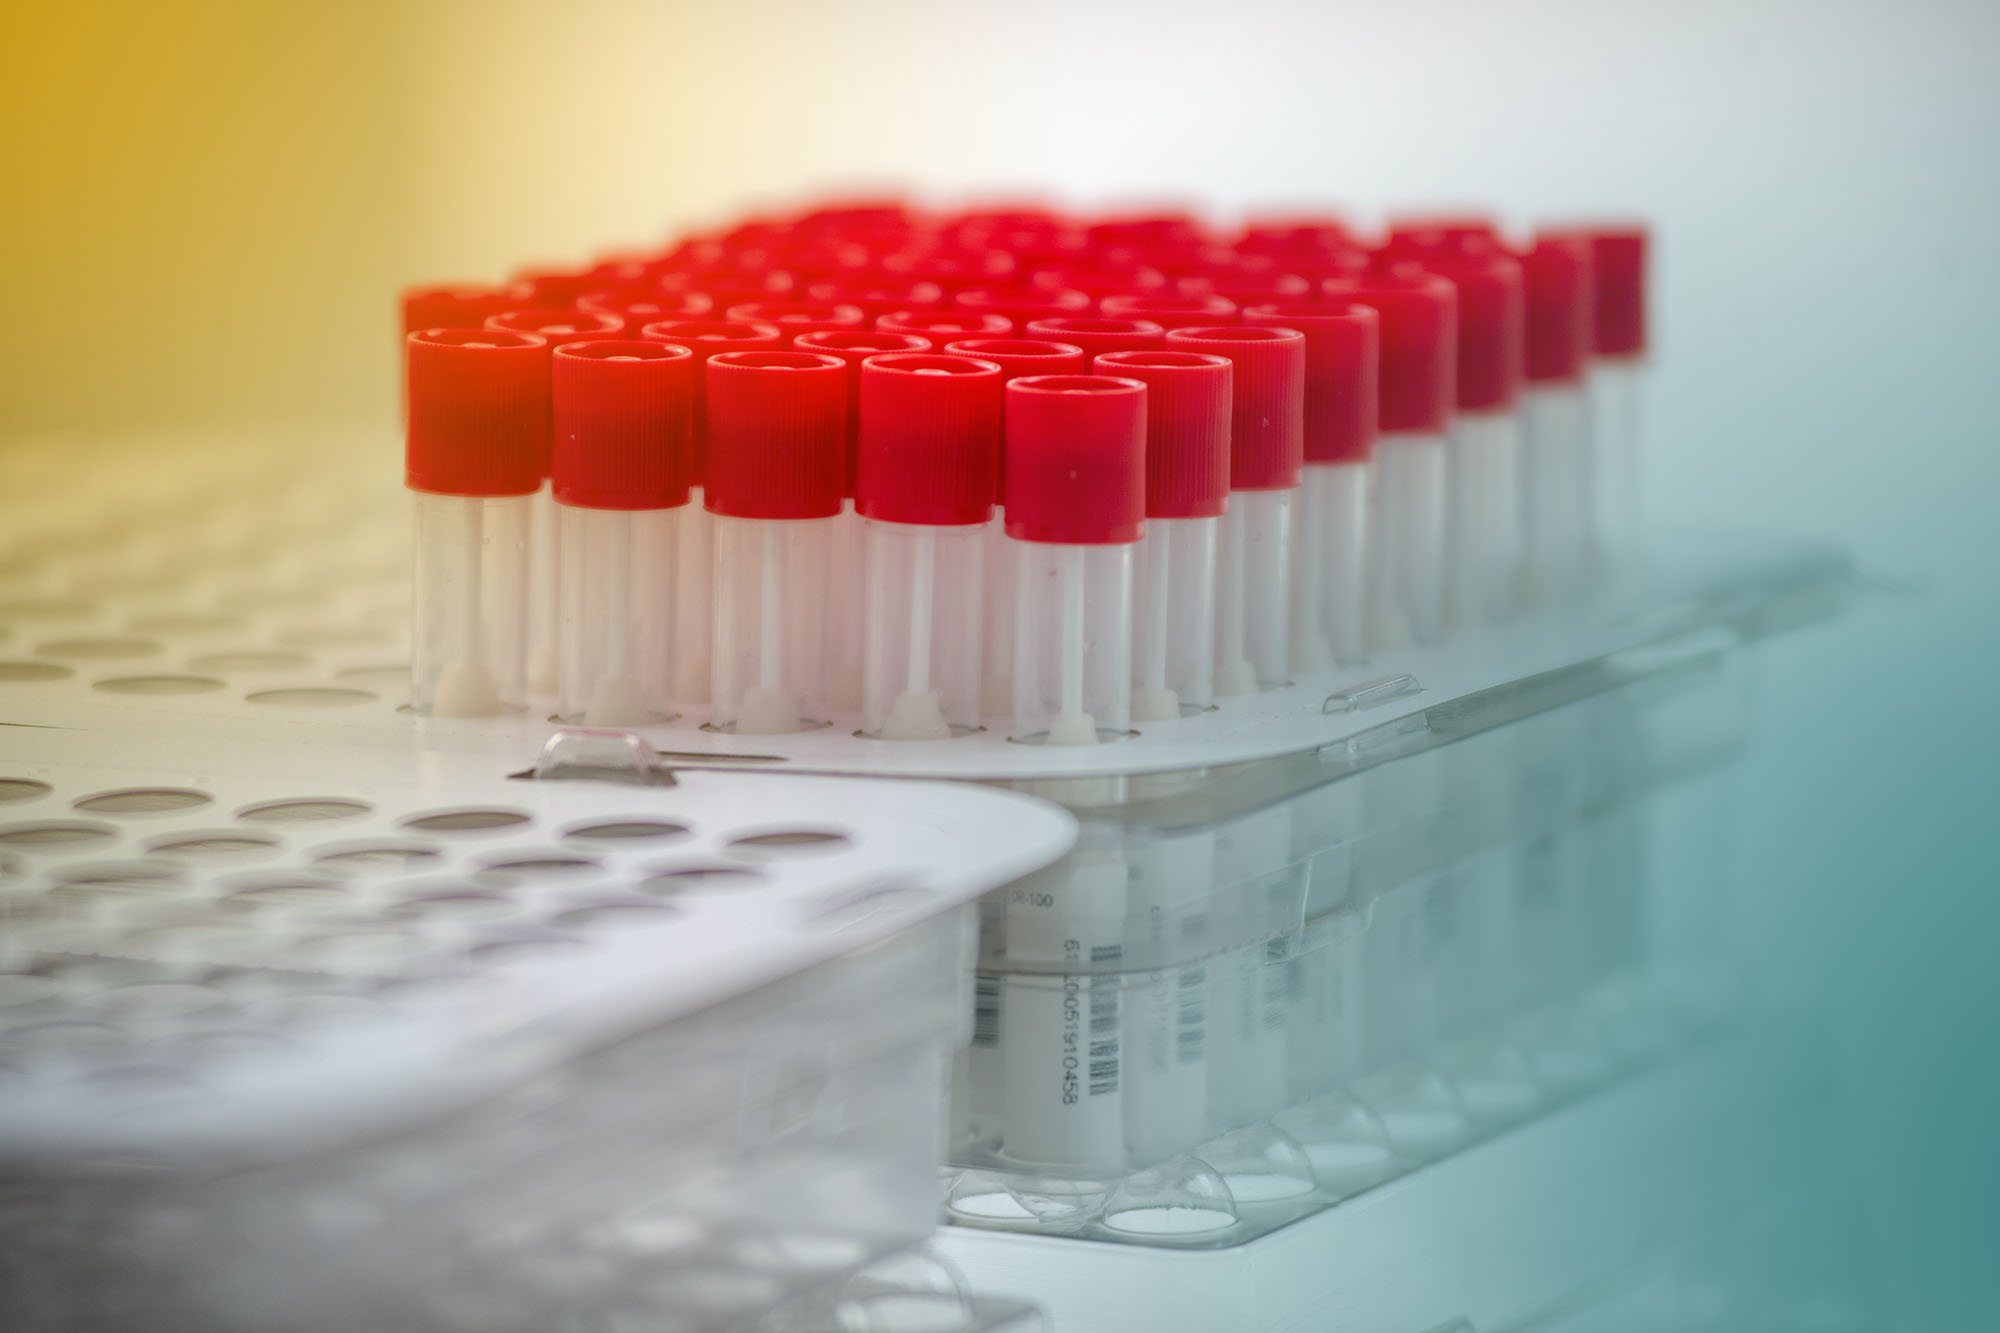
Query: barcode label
(1104, 1020)
(1191, 1015)
(985, 1010)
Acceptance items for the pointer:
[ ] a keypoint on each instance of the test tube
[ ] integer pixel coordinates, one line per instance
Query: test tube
(1615, 385)
(1266, 463)
(1097, 335)
(1169, 311)
(1187, 488)
(1330, 547)
(694, 551)
(1414, 394)
(1483, 506)
(477, 437)
(555, 326)
(1015, 357)
(930, 430)
(796, 317)
(620, 411)
(845, 618)
(1556, 482)
(778, 427)
(1076, 505)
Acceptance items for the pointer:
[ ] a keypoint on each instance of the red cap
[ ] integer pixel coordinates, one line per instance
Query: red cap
(1441, 231)
(621, 410)
(556, 327)
(459, 307)
(944, 326)
(625, 274)
(1557, 269)
(1024, 356)
(1096, 335)
(1491, 324)
(553, 288)
(1076, 459)
(1168, 311)
(777, 429)
(1267, 437)
(877, 295)
(707, 338)
(954, 270)
(853, 346)
(1187, 427)
(1618, 276)
(478, 412)
(640, 308)
(1343, 361)
(930, 438)
(1419, 373)
(1100, 276)
(796, 317)
(1023, 304)
(1242, 288)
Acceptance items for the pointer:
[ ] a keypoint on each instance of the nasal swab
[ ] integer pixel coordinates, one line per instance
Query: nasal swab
(475, 449)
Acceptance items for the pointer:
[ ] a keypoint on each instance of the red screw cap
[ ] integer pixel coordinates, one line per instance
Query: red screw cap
(707, 338)
(777, 429)
(1618, 275)
(944, 326)
(1100, 276)
(854, 346)
(1024, 304)
(1492, 324)
(1076, 459)
(954, 271)
(1557, 269)
(556, 327)
(553, 288)
(1024, 356)
(1096, 335)
(1430, 232)
(1343, 362)
(621, 410)
(796, 317)
(878, 296)
(930, 438)
(1187, 427)
(1267, 437)
(640, 308)
(1168, 311)
(1419, 372)
(478, 415)
(454, 307)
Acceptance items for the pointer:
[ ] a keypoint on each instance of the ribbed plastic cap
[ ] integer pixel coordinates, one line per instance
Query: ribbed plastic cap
(1246, 288)
(1106, 276)
(945, 326)
(558, 326)
(708, 338)
(640, 308)
(1618, 275)
(455, 307)
(930, 438)
(1419, 371)
(1557, 269)
(553, 288)
(1343, 363)
(796, 317)
(1492, 324)
(1096, 335)
(1024, 356)
(1441, 231)
(877, 295)
(1187, 427)
(478, 412)
(1267, 437)
(1024, 304)
(954, 271)
(1169, 311)
(854, 346)
(777, 430)
(620, 410)
(1076, 459)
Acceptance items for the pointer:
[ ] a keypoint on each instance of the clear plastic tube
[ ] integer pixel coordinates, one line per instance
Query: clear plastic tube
(845, 612)
(544, 566)
(1330, 567)
(921, 662)
(1250, 987)
(1173, 663)
(1406, 604)
(996, 690)
(768, 644)
(1170, 887)
(1072, 642)
(1556, 493)
(1617, 416)
(1483, 522)
(467, 629)
(694, 593)
(1253, 599)
(617, 615)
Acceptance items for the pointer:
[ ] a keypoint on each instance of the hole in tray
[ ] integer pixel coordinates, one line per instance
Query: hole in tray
(548, 866)
(25, 671)
(57, 833)
(159, 684)
(307, 811)
(216, 846)
(322, 696)
(376, 858)
(249, 661)
(783, 844)
(465, 821)
(98, 649)
(699, 879)
(143, 801)
(627, 830)
(22, 789)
